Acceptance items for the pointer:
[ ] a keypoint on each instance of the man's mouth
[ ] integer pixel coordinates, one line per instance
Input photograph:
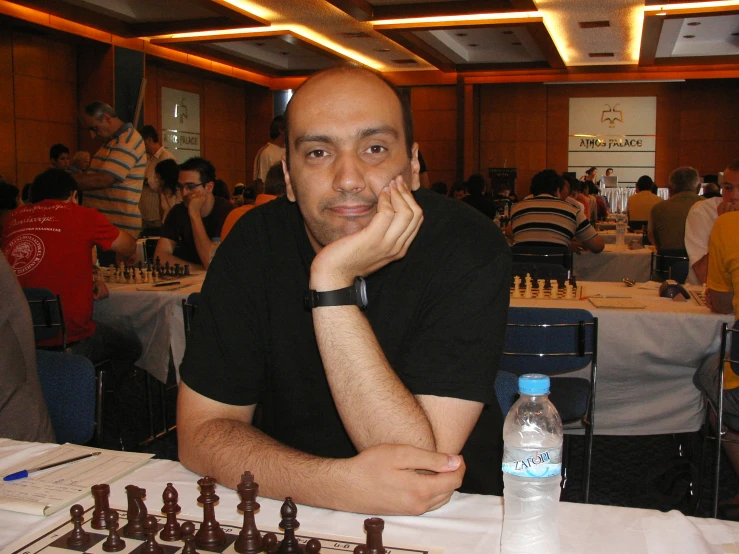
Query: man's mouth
(352, 210)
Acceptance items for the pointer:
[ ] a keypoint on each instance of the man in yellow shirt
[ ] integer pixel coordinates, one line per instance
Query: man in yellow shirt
(641, 203)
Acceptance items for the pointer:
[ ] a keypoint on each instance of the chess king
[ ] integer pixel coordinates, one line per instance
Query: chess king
(365, 316)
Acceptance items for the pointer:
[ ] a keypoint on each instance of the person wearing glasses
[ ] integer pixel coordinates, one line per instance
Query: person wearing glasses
(192, 225)
(112, 185)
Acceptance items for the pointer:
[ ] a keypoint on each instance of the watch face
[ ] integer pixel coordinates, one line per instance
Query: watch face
(361, 288)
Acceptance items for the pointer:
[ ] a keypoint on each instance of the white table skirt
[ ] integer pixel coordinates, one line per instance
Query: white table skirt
(613, 264)
(468, 524)
(618, 197)
(646, 360)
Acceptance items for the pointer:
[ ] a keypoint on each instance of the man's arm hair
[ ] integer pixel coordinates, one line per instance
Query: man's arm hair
(124, 244)
(165, 252)
(95, 180)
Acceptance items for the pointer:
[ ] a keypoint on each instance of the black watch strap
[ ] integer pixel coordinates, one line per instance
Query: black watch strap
(354, 295)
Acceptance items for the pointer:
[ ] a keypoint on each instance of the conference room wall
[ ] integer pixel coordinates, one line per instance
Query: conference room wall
(435, 130)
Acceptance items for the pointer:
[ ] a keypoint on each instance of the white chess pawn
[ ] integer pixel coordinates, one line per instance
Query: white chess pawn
(528, 279)
(155, 276)
(527, 292)
(147, 276)
(568, 291)
(136, 276)
(553, 289)
(540, 283)
(516, 286)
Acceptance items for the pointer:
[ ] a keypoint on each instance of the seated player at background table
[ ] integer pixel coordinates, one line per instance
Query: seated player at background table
(641, 202)
(361, 410)
(666, 225)
(167, 173)
(547, 220)
(193, 224)
(476, 198)
(274, 187)
(48, 244)
(701, 218)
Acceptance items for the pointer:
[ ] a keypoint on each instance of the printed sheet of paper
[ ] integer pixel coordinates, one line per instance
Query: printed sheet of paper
(617, 303)
(49, 491)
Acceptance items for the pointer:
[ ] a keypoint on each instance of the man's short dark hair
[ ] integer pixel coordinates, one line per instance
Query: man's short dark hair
(202, 166)
(148, 131)
(57, 150)
(733, 166)
(168, 170)
(644, 183)
(97, 109)
(684, 179)
(276, 127)
(274, 182)
(52, 184)
(476, 184)
(405, 107)
(546, 182)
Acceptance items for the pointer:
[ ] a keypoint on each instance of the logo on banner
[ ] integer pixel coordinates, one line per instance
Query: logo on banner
(612, 114)
(25, 253)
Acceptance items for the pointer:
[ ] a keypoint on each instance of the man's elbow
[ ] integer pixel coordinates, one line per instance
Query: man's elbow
(595, 245)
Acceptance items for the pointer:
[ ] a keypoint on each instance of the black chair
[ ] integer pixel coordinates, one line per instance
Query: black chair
(554, 341)
(670, 263)
(541, 254)
(637, 225)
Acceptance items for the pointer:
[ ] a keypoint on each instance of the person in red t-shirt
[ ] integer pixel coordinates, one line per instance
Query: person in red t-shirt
(49, 243)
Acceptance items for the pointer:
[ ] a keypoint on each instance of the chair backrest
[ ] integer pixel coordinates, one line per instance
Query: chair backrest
(665, 259)
(637, 225)
(68, 384)
(540, 271)
(730, 345)
(47, 315)
(555, 254)
(189, 308)
(549, 341)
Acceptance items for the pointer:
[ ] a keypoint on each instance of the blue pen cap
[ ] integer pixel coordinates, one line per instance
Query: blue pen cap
(533, 384)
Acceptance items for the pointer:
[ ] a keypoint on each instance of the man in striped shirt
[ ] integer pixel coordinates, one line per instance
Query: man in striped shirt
(113, 183)
(546, 220)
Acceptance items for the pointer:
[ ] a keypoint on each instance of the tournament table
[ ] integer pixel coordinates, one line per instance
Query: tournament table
(614, 263)
(468, 524)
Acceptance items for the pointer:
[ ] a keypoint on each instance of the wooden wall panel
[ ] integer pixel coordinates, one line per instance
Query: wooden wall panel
(435, 115)
(223, 125)
(258, 109)
(8, 168)
(95, 82)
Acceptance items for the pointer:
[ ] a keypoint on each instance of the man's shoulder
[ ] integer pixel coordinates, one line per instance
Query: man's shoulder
(727, 222)
(709, 206)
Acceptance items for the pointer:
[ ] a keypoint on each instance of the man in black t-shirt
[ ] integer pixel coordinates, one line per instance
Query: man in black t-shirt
(193, 224)
(363, 410)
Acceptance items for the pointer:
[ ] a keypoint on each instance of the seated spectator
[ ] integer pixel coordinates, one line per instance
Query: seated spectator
(59, 157)
(667, 219)
(23, 414)
(8, 201)
(569, 190)
(641, 202)
(546, 220)
(459, 191)
(80, 162)
(701, 219)
(193, 224)
(476, 199)
(582, 196)
(48, 244)
(250, 194)
(711, 190)
(220, 189)
(440, 188)
(513, 197)
(166, 173)
(274, 187)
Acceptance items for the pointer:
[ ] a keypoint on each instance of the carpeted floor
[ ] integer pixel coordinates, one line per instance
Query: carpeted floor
(636, 471)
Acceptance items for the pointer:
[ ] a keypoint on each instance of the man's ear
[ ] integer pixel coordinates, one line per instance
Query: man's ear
(415, 168)
(289, 192)
(73, 198)
(209, 186)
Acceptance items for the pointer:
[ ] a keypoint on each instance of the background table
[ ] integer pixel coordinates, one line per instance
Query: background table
(468, 524)
(609, 237)
(613, 264)
(646, 360)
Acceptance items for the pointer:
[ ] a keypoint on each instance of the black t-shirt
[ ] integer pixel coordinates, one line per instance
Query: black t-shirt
(439, 315)
(481, 203)
(177, 227)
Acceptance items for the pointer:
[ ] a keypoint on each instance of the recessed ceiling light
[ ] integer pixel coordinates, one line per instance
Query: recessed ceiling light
(688, 36)
(507, 32)
(405, 61)
(694, 23)
(354, 35)
(473, 45)
(601, 54)
(382, 49)
(593, 24)
(461, 34)
(285, 53)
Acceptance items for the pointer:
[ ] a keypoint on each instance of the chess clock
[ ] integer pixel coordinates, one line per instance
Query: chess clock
(354, 295)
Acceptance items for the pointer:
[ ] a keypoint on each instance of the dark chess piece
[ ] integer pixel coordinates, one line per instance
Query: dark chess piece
(250, 539)
(151, 546)
(313, 546)
(176, 270)
(374, 527)
(78, 536)
(114, 542)
(100, 493)
(188, 537)
(210, 532)
(269, 543)
(136, 514)
(171, 531)
(289, 524)
(141, 265)
(187, 270)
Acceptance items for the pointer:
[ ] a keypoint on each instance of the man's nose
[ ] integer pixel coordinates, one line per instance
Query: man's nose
(349, 176)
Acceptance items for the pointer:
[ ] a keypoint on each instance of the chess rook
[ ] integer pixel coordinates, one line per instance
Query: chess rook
(100, 493)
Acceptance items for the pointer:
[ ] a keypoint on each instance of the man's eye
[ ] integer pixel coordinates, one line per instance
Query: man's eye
(376, 149)
(316, 153)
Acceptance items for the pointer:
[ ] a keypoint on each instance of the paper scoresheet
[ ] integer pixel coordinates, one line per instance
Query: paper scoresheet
(49, 491)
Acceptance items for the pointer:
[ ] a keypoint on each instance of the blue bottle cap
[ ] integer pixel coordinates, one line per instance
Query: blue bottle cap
(533, 383)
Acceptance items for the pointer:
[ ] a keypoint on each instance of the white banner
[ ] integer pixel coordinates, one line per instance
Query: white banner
(181, 123)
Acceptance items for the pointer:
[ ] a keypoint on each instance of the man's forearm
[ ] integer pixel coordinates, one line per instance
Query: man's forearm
(700, 268)
(93, 181)
(165, 257)
(202, 240)
(373, 403)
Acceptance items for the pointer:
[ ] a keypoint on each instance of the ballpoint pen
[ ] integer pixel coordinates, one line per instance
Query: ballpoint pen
(26, 472)
(169, 284)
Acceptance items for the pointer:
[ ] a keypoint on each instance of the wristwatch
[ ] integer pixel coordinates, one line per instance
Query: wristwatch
(354, 295)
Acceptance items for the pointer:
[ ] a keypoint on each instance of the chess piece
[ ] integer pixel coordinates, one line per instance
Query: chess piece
(171, 531)
(289, 524)
(269, 542)
(528, 280)
(568, 291)
(187, 270)
(78, 536)
(373, 545)
(516, 286)
(188, 537)
(554, 289)
(540, 283)
(250, 539)
(100, 493)
(313, 546)
(114, 542)
(136, 514)
(527, 292)
(151, 546)
(210, 533)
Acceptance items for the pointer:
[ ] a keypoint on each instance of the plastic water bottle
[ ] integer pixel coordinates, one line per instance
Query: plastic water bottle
(532, 465)
(620, 233)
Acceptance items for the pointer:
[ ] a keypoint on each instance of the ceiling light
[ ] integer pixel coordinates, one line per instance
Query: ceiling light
(461, 34)
(252, 8)
(451, 20)
(601, 54)
(694, 23)
(692, 6)
(593, 24)
(474, 45)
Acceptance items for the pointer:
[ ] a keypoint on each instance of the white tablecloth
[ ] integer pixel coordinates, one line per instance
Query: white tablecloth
(468, 524)
(609, 237)
(646, 360)
(618, 197)
(613, 264)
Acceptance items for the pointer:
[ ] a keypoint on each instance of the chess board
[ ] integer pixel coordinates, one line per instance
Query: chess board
(53, 540)
(699, 297)
(577, 293)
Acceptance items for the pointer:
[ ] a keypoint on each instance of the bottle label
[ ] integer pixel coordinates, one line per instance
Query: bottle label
(536, 465)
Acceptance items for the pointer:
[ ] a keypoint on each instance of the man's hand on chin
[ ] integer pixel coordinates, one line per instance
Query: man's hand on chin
(385, 239)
